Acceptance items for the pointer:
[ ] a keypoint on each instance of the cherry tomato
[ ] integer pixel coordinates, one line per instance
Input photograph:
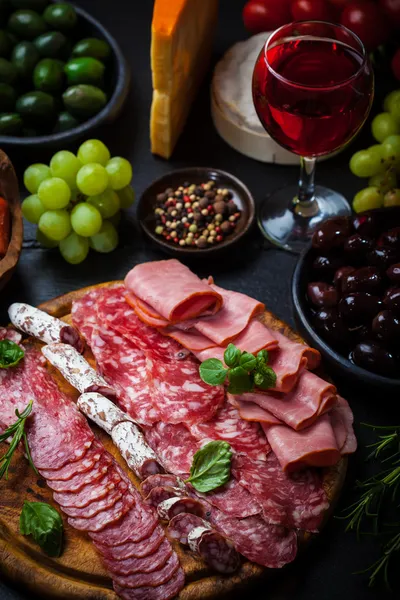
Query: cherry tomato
(306, 10)
(266, 15)
(392, 10)
(396, 65)
(366, 19)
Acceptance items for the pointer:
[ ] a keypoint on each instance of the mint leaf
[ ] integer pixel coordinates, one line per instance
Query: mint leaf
(239, 381)
(44, 524)
(248, 361)
(265, 379)
(10, 354)
(212, 371)
(211, 466)
(232, 355)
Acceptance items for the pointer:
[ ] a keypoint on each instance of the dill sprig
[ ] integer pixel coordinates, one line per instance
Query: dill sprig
(17, 433)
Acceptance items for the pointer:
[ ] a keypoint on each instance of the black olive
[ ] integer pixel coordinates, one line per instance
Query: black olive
(356, 246)
(393, 273)
(358, 308)
(383, 257)
(332, 233)
(364, 225)
(392, 299)
(322, 294)
(330, 326)
(386, 326)
(326, 265)
(390, 238)
(341, 275)
(366, 279)
(374, 357)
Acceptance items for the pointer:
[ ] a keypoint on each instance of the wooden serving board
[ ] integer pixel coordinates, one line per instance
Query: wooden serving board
(78, 574)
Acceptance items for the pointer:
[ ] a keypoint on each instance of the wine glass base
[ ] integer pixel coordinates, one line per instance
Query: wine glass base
(283, 228)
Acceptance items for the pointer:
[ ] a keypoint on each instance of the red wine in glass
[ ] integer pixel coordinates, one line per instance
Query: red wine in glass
(312, 90)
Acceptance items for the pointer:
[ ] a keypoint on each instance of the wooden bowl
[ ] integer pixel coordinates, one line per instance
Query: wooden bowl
(241, 196)
(118, 81)
(9, 191)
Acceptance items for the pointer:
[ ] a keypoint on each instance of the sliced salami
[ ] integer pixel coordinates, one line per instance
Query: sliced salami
(92, 491)
(233, 499)
(97, 506)
(135, 526)
(268, 545)
(80, 480)
(7, 333)
(162, 493)
(83, 313)
(166, 591)
(153, 579)
(296, 500)
(216, 550)
(145, 564)
(180, 526)
(137, 549)
(243, 436)
(107, 517)
(174, 445)
(168, 509)
(161, 480)
(86, 463)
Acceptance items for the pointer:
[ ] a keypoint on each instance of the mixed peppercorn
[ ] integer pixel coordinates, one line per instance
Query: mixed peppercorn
(196, 215)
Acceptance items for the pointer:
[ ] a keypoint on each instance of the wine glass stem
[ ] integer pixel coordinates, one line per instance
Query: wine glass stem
(305, 203)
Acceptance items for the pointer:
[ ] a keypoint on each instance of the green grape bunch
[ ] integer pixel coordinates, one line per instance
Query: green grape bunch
(76, 201)
(380, 163)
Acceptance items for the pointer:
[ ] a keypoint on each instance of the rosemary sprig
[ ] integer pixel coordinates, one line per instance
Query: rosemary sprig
(17, 433)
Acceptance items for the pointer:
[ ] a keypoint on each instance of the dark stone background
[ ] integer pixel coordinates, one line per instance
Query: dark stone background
(326, 570)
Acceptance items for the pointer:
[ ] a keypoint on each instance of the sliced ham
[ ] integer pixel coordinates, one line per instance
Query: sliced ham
(172, 290)
(311, 397)
(289, 360)
(143, 314)
(342, 419)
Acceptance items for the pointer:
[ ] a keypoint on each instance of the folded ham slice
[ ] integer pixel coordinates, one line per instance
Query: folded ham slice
(170, 290)
(311, 398)
(289, 360)
(342, 421)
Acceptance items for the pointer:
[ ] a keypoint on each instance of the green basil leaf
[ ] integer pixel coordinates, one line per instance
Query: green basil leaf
(262, 357)
(232, 355)
(212, 371)
(268, 378)
(239, 381)
(211, 466)
(248, 361)
(10, 354)
(258, 378)
(44, 524)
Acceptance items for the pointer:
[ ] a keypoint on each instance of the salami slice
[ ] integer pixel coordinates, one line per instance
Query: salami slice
(180, 526)
(168, 509)
(268, 545)
(244, 437)
(216, 550)
(296, 500)
(161, 480)
(124, 368)
(153, 579)
(93, 491)
(174, 445)
(86, 463)
(81, 479)
(135, 526)
(137, 549)
(166, 591)
(7, 333)
(83, 313)
(146, 564)
(97, 506)
(162, 493)
(107, 517)
(233, 499)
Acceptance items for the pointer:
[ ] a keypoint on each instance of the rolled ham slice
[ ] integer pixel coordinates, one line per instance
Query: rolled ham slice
(172, 291)
(311, 398)
(315, 446)
(291, 359)
(342, 421)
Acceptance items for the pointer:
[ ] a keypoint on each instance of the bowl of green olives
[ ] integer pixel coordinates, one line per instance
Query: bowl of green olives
(62, 75)
(346, 296)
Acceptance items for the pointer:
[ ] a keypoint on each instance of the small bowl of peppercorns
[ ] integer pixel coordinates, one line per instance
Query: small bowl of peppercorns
(195, 211)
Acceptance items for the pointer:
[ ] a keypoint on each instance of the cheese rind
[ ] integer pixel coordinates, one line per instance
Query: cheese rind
(182, 39)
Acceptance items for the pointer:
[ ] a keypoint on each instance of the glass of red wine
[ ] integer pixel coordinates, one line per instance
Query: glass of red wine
(312, 90)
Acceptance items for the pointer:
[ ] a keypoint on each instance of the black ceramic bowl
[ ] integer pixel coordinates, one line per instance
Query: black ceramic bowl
(197, 175)
(118, 79)
(339, 363)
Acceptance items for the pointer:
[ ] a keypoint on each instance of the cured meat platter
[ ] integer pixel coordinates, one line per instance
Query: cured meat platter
(79, 573)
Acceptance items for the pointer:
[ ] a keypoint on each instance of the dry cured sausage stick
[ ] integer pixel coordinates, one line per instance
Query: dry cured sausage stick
(168, 509)
(216, 550)
(76, 370)
(42, 326)
(135, 450)
(102, 411)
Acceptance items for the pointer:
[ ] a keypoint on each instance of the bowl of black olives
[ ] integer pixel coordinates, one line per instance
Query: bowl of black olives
(346, 295)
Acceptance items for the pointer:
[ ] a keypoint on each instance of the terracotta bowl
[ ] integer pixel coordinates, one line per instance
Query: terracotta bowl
(9, 191)
(241, 195)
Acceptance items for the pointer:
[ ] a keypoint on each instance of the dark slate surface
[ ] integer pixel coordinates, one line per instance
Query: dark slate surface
(325, 571)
